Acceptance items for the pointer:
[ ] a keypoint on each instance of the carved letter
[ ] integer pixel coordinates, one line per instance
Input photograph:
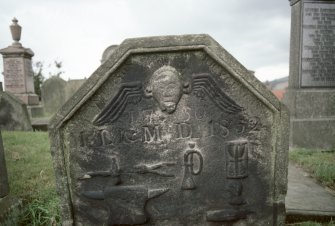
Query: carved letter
(131, 136)
(151, 136)
(184, 130)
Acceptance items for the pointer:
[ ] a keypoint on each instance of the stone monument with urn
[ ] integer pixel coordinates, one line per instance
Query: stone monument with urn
(18, 73)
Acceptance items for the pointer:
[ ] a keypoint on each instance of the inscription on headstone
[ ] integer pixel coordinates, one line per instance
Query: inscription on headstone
(172, 135)
(318, 49)
(311, 91)
(14, 75)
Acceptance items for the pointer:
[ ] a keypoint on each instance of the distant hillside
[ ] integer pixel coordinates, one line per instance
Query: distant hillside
(277, 84)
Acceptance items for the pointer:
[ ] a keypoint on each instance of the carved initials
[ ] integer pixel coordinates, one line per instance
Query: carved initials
(153, 135)
(184, 130)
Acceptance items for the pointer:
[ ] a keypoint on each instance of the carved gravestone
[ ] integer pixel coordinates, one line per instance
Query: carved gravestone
(311, 92)
(171, 131)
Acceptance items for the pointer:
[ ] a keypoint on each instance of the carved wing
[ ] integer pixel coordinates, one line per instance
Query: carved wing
(129, 93)
(203, 85)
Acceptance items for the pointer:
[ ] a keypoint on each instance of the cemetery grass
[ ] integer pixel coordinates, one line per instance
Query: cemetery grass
(31, 177)
(320, 164)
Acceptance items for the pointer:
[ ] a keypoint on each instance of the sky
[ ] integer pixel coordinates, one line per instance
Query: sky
(76, 32)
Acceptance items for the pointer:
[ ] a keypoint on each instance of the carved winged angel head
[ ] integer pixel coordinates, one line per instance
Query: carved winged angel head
(166, 86)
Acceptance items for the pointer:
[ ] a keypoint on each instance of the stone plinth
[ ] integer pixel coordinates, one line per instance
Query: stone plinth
(171, 131)
(311, 92)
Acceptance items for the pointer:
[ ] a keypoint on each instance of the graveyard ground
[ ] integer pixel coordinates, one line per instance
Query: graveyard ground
(320, 164)
(32, 178)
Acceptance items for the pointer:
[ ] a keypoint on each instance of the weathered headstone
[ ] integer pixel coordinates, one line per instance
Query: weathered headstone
(72, 85)
(171, 131)
(13, 113)
(18, 73)
(56, 91)
(53, 94)
(4, 187)
(108, 52)
(311, 92)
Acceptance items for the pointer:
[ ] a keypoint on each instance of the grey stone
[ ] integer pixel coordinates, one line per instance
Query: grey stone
(171, 131)
(72, 86)
(311, 92)
(18, 73)
(10, 210)
(13, 113)
(306, 200)
(4, 187)
(53, 94)
(107, 53)
(56, 91)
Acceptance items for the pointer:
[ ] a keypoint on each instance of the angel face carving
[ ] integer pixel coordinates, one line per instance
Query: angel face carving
(166, 87)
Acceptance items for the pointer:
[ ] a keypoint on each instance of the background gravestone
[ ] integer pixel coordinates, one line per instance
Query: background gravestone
(53, 94)
(107, 53)
(13, 113)
(311, 92)
(72, 86)
(56, 91)
(175, 133)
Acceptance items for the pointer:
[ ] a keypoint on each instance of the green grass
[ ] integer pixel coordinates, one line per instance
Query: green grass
(321, 165)
(31, 176)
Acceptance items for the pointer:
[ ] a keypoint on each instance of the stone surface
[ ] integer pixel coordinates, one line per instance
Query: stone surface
(40, 124)
(311, 92)
(56, 91)
(317, 50)
(10, 209)
(171, 131)
(107, 53)
(53, 94)
(18, 73)
(13, 113)
(307, 200)
(72, 86)
(35, 111)
(4, 187)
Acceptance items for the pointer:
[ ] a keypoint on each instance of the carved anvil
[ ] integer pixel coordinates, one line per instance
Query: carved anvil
(126, 204)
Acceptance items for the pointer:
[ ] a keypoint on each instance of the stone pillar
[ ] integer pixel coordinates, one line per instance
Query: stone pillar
(311, 92)
(18, 73)
(4, 187)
